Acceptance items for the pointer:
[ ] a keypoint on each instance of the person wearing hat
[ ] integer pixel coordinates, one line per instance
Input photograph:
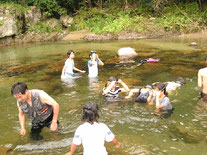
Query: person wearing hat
(67, 71)
(162, 100)
(111, 90)
(92, 134)
(144, 95)
(202, 81)
(93, 64)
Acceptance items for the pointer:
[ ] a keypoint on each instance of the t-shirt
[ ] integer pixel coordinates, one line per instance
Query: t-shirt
(172, 86)
(165, 103)
(93, 69)
(114, 93)
(93, 137)
(69, 66)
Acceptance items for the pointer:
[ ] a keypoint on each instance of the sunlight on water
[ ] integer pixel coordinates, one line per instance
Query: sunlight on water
(134, 124)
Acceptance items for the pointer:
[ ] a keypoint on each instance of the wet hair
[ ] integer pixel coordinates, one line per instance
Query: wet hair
(69, 52)
(91, 52)
(162, 87)
(18, 87)
(111, 78)
(181, 80)
(90, 112)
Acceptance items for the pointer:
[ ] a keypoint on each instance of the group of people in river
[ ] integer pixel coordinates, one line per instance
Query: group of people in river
(43, 110)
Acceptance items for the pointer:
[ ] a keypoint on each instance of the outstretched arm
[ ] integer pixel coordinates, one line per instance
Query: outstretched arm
(76, 69)
(126, 88)
(132, 92)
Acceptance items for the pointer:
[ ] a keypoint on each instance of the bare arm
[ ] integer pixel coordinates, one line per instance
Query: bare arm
(116, 143)
(126, 88)
(99, 61)
(150, 98)
(21, 121)
(72, 149)
(200, 81)
(46, 99)
(105, 91)
(132, 92)
(76, 69)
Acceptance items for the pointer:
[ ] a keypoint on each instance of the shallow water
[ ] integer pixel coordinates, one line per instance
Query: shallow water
(135, 125)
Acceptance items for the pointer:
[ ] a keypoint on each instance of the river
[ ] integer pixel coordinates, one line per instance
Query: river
(135, 125)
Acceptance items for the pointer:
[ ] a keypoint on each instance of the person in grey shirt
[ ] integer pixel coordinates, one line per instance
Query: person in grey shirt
(162, 100)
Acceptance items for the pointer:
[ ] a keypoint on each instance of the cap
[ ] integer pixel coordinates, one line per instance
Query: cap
(112, 78)
(181, 80)
(160, 86)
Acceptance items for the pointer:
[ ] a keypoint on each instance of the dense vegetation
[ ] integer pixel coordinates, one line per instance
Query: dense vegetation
(116, 16)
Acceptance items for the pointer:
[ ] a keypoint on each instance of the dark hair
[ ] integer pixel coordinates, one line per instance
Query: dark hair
(91, 52)
(69, 52)
(206, 58)
(112, 78)
(19, 87)
(162, 87)
(90, 112)
(181, 80)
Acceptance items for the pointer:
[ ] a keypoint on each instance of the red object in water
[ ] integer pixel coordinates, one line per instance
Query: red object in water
(152, 60)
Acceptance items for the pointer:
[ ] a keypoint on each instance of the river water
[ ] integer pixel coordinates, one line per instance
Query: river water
(135, 125)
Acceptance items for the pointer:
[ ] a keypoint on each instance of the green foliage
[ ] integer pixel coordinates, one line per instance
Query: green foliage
(40, 27)
(1, 22)
(50, 7)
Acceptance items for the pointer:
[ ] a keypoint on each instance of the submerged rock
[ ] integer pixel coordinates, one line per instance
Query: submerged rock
(193, 44)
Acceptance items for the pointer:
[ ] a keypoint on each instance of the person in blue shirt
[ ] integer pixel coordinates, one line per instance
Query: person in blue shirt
(93, 64)
(67, 71)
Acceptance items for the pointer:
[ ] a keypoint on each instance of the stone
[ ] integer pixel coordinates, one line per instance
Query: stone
(66, 20)
(32, 16)
(193, 44)
(8, 24)
(127, 52)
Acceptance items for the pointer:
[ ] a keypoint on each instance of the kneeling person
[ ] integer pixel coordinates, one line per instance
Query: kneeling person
(38, 106)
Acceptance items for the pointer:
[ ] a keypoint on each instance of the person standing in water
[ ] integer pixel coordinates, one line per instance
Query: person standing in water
(38, 106)
(202, 82)
(67, 71)
(92, 134)
(93, 64)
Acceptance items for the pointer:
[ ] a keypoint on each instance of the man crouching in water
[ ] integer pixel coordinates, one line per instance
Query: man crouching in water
(38, 106)
(202, 81)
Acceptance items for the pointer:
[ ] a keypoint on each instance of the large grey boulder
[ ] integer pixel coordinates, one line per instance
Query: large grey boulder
(32, 16)
(66, 20)
(8, 24)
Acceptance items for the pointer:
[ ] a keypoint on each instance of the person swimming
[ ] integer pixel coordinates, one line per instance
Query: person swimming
(144, 95)
(149, 60)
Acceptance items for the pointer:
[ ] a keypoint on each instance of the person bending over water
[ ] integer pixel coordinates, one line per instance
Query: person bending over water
(67, 71)
(202, 82)
(144, 95)
(111, 90)
(92, 134)
(162, 100)
(93, 64)
(38, 106)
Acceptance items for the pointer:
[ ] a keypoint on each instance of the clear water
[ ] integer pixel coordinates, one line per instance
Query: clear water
(135, 126)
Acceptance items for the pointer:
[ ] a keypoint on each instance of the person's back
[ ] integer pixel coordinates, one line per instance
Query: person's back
(92, 137)
(92, 134)
(202, 79)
